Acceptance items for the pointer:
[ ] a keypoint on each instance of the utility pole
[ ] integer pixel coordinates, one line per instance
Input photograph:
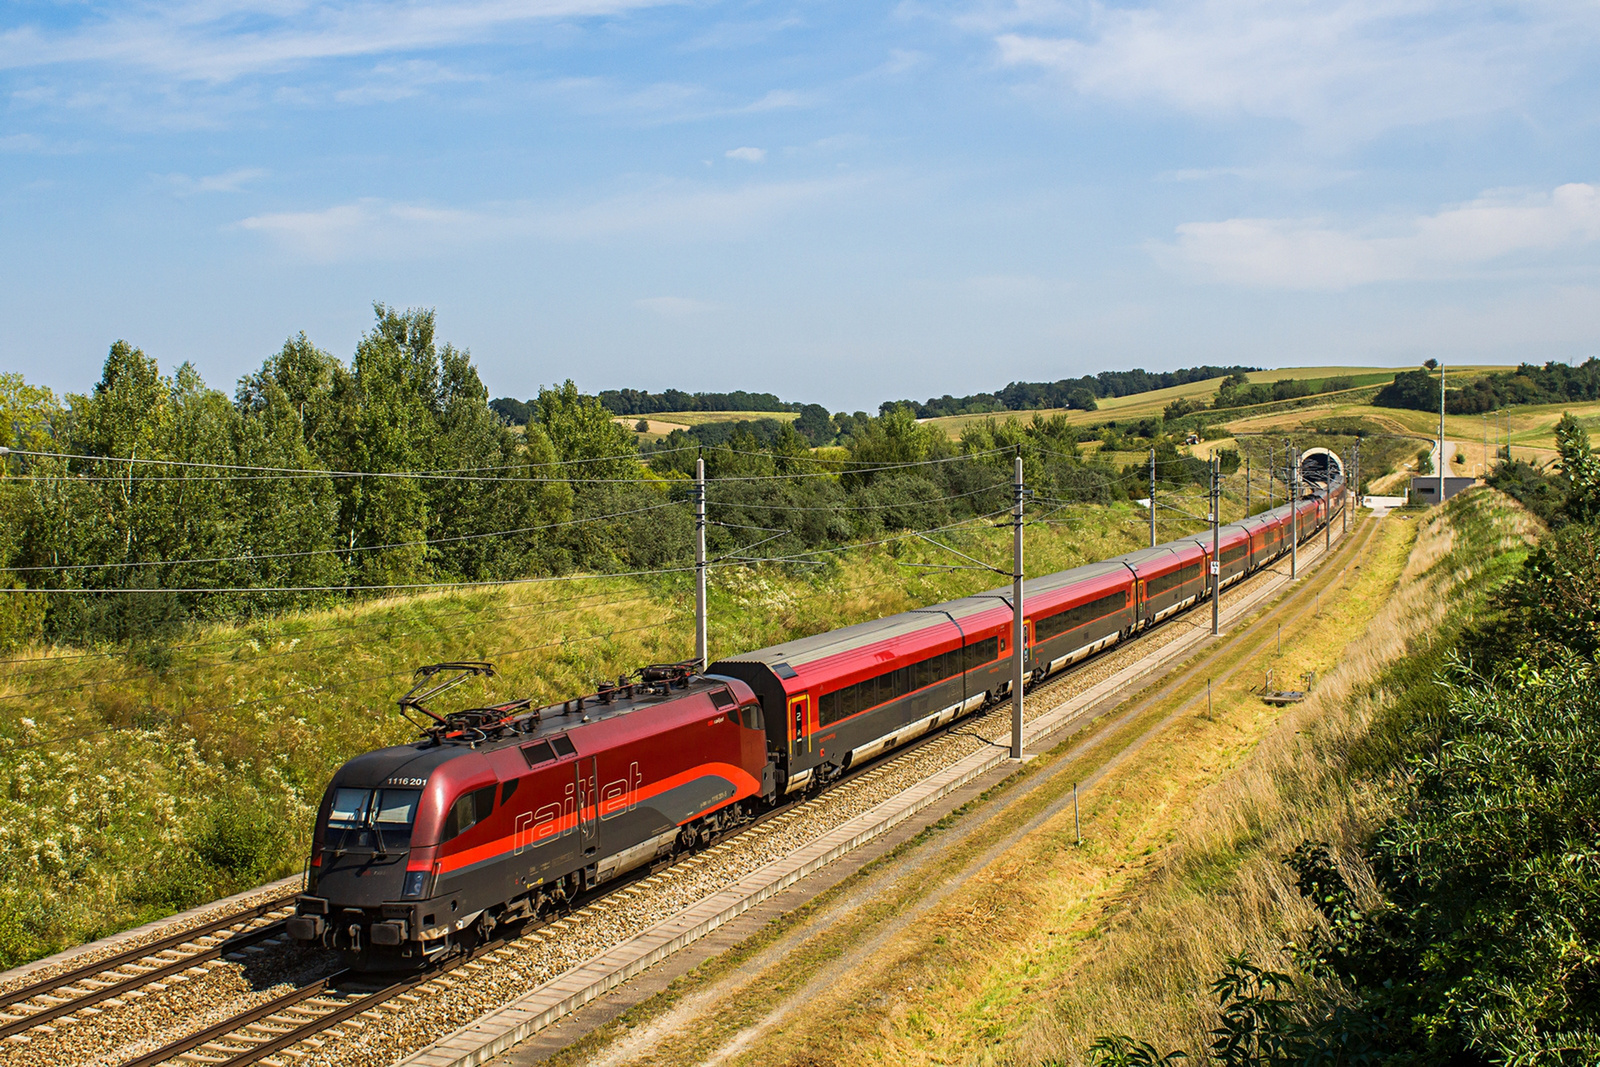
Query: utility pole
(1019, 627)
(1216, 557)
(1152, 498)
(1247, 484)
(1294, 513)
(1271, 471)
(1486, 446)
(1345, 511)
(701, 653)
(1441, 432)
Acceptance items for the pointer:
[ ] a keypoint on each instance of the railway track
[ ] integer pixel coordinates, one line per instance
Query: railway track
(52, 998)
(303, 1013)
(273, 1026)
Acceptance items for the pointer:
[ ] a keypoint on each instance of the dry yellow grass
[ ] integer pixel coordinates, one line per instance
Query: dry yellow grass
(1221, 886)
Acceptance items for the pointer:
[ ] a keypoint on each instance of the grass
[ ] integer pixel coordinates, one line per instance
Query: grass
(134, 783)
(1323, 773)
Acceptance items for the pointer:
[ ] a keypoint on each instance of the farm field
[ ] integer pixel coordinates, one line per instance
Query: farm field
(664, 422)
(1145, 405)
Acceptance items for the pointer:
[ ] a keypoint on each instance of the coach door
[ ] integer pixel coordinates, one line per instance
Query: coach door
(799, 712)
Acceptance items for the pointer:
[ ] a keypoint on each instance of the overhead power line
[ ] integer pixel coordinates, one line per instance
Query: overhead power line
(340, 551)
(271, 473)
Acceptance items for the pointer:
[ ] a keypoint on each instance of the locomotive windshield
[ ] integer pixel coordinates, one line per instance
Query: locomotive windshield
(377, 819)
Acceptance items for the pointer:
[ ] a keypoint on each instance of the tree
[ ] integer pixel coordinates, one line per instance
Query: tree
(813, 423)
(1416, 390)
(397, 381)
(1580, 468)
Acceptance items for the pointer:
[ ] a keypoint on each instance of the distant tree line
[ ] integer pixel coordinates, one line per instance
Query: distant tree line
(643, 402)
(1553, 383)
(1236, 391)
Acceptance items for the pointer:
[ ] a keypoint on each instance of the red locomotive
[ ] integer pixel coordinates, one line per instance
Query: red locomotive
(501, 813)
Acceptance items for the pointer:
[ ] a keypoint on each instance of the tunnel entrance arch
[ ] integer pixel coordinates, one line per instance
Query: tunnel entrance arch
(1320, 468)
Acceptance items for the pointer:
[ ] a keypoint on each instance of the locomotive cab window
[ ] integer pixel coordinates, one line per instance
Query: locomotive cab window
(377, 819)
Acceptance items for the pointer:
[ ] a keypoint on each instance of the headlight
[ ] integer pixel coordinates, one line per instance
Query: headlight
(414, 882)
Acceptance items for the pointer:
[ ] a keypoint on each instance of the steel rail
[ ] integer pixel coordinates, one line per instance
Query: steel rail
(138, 954)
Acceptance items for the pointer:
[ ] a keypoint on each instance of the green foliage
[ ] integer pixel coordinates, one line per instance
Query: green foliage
(1414, 389)
(1425, 461)
(1118, 1050)
(1556, 597)
(1179, 408)
(1552, 383)
(1531, 487)
(1236, 391)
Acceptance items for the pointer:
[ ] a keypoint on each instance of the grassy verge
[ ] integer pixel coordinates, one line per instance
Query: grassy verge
(1326, 772)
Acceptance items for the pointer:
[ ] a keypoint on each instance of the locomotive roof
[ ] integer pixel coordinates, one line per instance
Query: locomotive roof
(422, 755)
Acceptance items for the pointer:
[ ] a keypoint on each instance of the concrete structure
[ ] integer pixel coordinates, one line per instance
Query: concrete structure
(1425, 487)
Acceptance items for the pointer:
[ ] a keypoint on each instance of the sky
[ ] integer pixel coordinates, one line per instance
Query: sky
(841, 203)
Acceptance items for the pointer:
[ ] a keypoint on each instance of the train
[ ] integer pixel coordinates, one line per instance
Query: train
(500, 814)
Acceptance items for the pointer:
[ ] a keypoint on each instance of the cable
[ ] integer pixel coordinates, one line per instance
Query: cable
(482, 582)
(50, 661)
(272, 473)
(857, 507)
(329, 647)
(320, 473)
(172, 720)
(339, 551)
(884, 541)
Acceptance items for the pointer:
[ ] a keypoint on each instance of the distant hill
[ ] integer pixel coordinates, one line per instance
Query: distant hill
(1075, 393)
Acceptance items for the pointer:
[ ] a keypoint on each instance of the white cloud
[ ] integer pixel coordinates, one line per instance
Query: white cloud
(749, 155)
(1346, 69)
(228, 182)
(218, 42)
(1310, 254)
(668, 211)
(674, 307)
